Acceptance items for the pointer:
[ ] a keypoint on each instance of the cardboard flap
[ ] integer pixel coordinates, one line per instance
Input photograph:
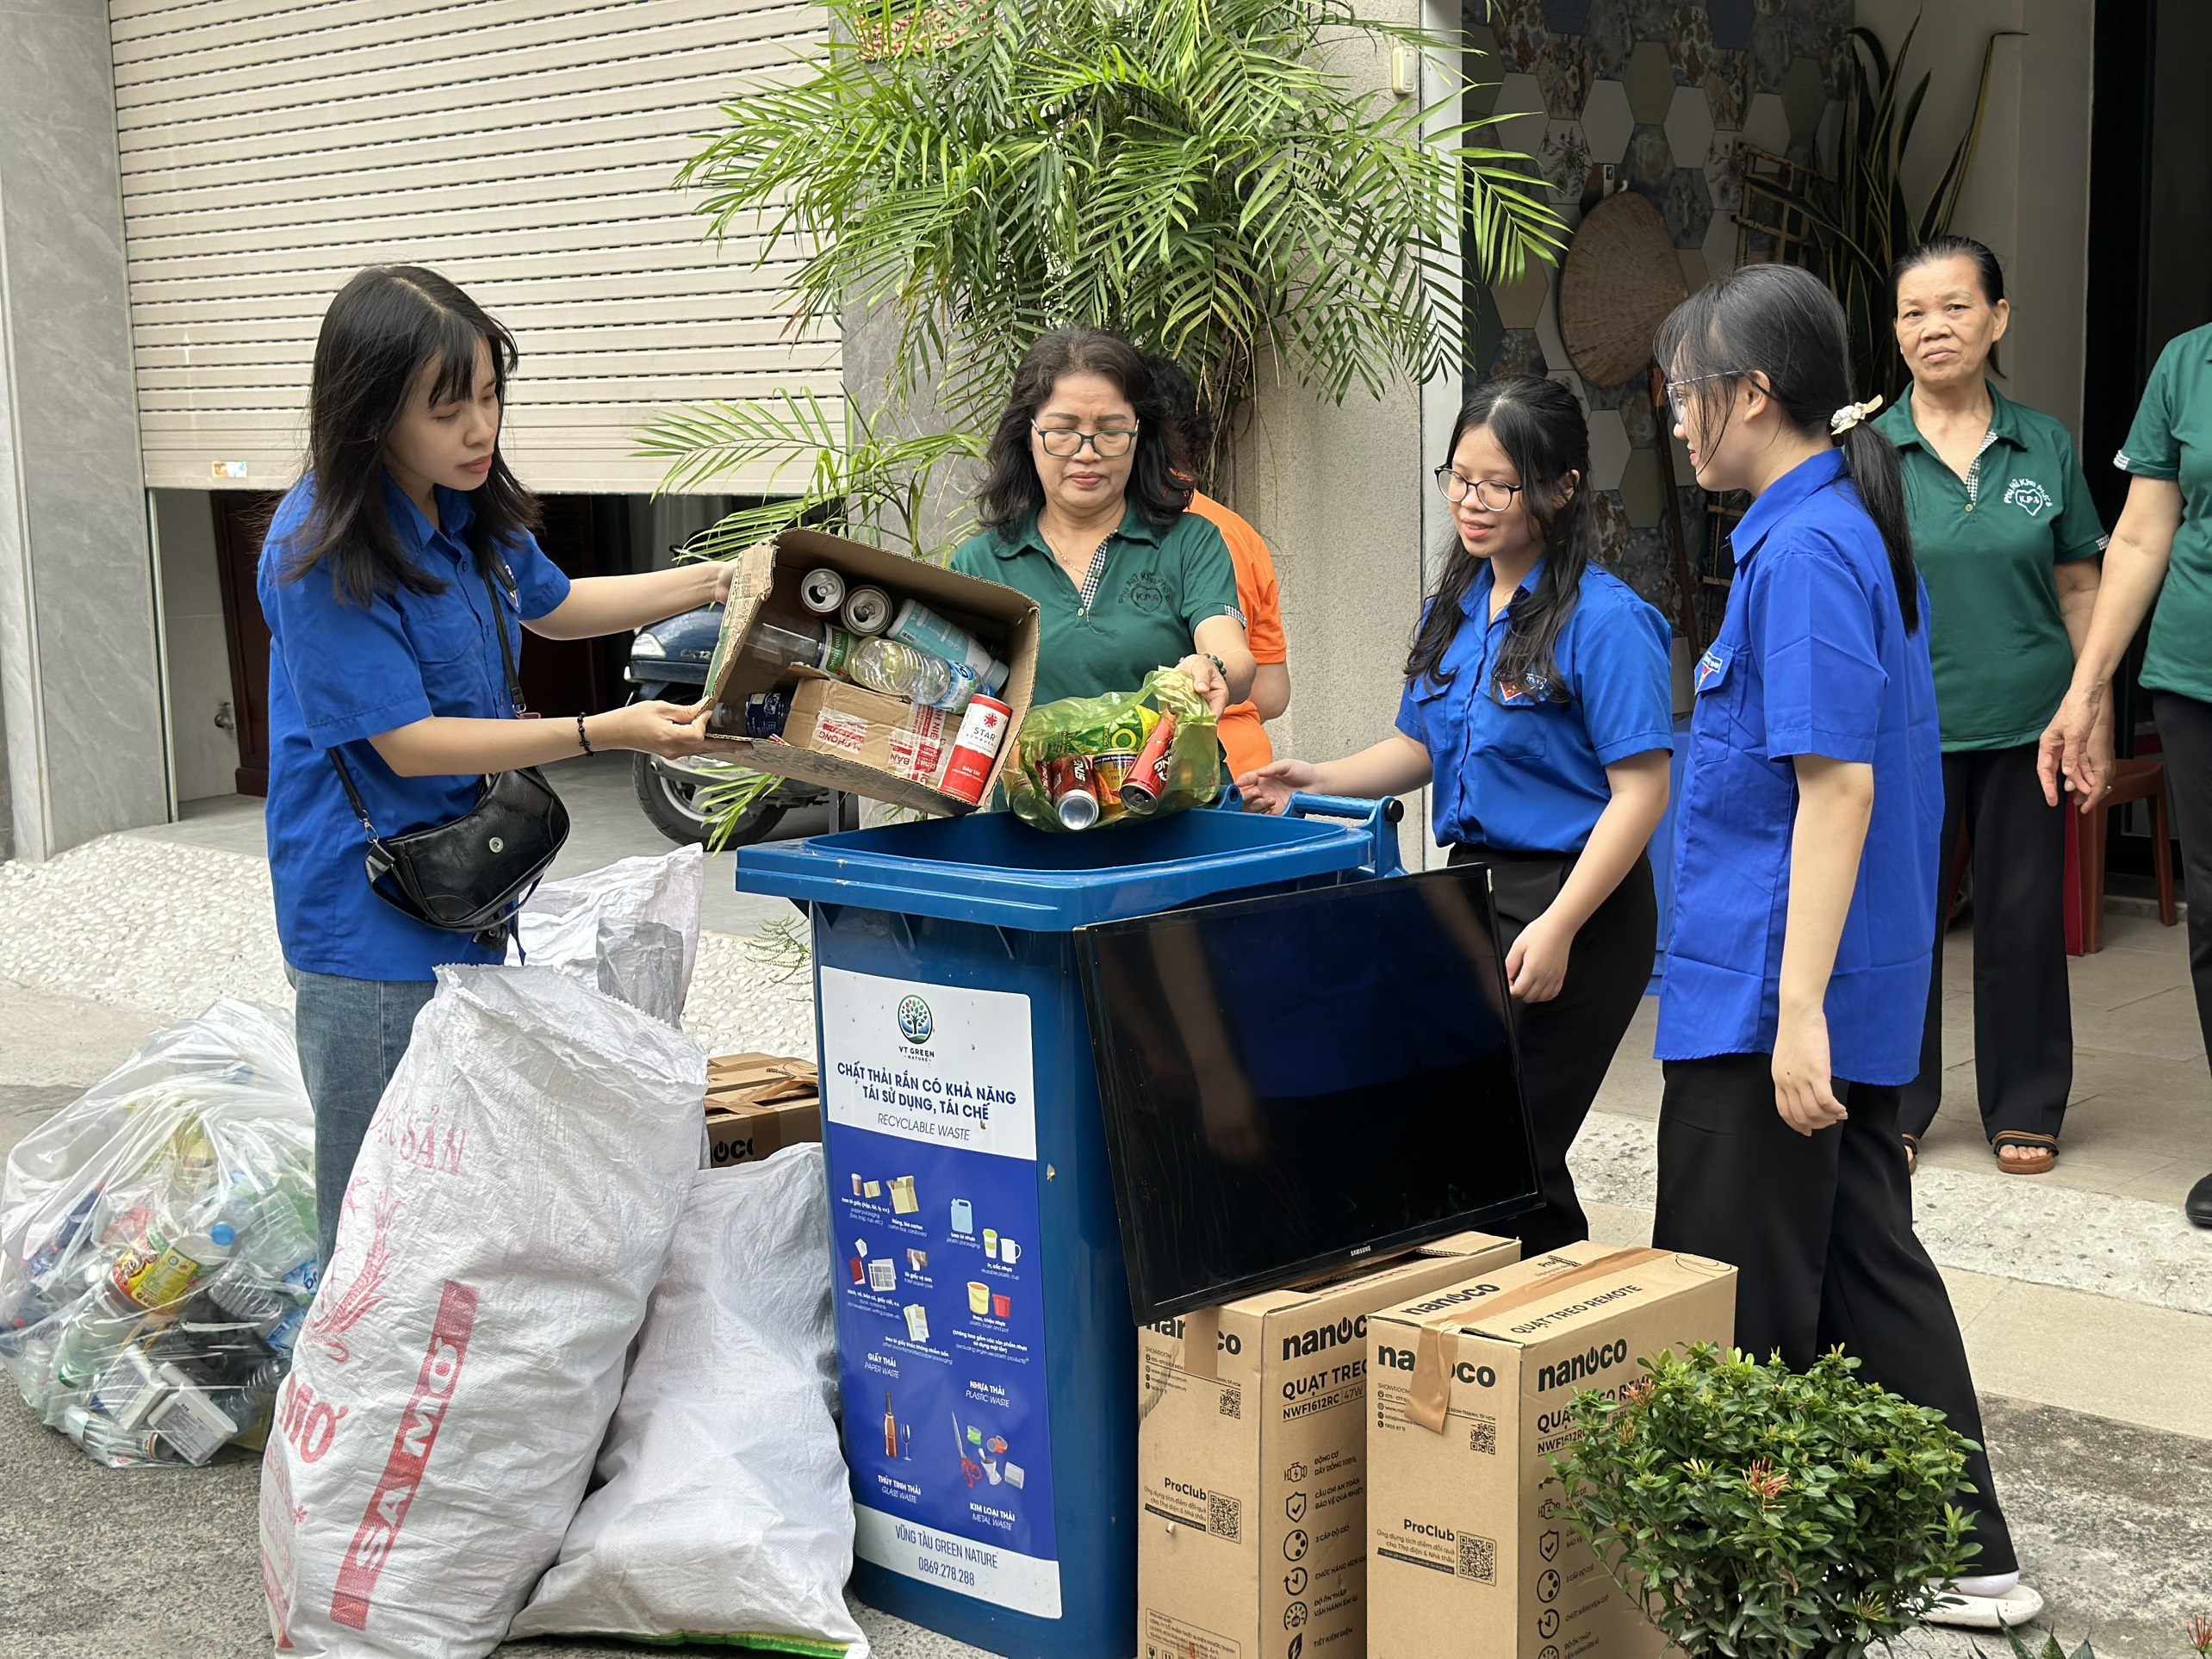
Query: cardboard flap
(1618, 1262)
(1202, 1343)
(1429, 1400)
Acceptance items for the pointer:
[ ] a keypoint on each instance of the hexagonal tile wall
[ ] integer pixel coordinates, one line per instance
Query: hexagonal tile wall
(1565, 159)
(1643, 489)
(1686, 206)
(1606, 122)
(1521, 303)
(1720, 244)
(1767, 124)
(1566, 16)
(1520, 111)
(1650, 83)
(1563, 72)
(1689, 127)
(1690, 44)
(1731, 22)
(1805, 95)
(1609, 448)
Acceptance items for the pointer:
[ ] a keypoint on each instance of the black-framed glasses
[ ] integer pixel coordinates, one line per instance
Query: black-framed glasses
(1490, 494)
(1674, 389)
(1065, 443)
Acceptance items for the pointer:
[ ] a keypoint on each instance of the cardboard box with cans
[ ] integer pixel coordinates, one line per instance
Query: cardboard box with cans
(1469, 1547)
(784, 661)
(1250, 1452)
(756, 1105)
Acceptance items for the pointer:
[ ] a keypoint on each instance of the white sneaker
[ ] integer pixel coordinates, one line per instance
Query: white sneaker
(1988, 1604)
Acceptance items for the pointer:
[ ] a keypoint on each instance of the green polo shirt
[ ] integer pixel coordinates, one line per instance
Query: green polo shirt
(1149, 590)
(1986, 545)
(2172, 439)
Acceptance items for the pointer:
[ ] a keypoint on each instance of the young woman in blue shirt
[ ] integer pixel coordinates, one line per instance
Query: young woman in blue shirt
(1537, 706)
(1807, 870)
(377, 577)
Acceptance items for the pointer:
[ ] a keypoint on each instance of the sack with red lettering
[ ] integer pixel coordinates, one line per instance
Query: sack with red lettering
(508, 1215)
(721, 1510)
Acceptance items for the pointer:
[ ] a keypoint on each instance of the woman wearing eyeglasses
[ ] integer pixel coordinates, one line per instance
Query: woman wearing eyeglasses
(1084, 515)
(1538, 704)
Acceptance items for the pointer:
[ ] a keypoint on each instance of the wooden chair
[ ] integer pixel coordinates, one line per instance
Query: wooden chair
(2139, 779)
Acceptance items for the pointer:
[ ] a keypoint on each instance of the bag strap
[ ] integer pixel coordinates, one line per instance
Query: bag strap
(499, 626)
(513, 685)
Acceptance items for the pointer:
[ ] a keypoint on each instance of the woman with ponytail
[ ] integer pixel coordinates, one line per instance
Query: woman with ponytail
(1537, 705)
(1806, 881)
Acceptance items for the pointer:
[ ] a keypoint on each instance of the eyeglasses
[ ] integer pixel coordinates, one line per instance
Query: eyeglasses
(1109, 445)
(1674, 389)
(1490, 495)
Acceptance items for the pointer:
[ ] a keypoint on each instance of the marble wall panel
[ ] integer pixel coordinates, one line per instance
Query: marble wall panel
(76, 609)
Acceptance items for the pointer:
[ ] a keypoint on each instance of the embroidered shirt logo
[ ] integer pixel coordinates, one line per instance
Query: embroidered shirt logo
(1149, 592)
(2028, 495)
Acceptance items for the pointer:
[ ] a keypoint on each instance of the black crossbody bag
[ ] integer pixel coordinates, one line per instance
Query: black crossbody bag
(473, 874)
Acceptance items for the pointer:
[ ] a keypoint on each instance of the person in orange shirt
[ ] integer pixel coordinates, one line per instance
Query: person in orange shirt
(1244, 739)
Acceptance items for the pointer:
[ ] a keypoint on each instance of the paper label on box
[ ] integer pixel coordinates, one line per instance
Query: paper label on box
(928, 1097)
(1177, 1639)
(839, 732)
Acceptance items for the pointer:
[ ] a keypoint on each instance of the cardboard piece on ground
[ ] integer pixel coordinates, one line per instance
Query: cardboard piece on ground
(756, 1105)
(1468, 1549)
(767, 582)
(1251, 1449)
(762, 1079)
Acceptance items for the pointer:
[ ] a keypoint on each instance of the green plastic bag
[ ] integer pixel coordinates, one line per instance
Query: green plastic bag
(1117, 724)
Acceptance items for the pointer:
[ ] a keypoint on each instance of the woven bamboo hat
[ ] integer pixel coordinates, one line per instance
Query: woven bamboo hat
(1621, 280)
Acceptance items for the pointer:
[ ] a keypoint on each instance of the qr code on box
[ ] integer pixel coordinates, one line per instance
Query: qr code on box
(1478, 1559)
(1225, 1516)
(1482, 1436)
(1232, 1403)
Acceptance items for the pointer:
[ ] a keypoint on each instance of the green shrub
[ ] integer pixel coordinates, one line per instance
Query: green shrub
(1759, 1513)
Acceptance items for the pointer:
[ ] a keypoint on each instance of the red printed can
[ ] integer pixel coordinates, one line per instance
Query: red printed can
(1147, 779)
(983, 731)
(1068, 785)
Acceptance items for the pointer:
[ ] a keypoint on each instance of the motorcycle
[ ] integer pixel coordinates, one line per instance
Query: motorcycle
(667, 663)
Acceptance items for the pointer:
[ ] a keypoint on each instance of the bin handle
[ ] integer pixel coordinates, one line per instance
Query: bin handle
(1383, 817)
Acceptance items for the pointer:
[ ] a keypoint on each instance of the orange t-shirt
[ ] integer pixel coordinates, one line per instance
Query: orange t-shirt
(1244, 739)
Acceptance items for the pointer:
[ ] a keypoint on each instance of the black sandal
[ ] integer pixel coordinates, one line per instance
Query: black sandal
(1912, 1154)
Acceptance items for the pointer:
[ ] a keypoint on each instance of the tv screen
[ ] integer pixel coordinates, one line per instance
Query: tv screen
(1295, 1082)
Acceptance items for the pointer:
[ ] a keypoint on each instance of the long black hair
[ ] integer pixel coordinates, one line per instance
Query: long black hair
(1539, 426)
(1781, 323)
(1012, 490)
(1191, 426)
(386, 326)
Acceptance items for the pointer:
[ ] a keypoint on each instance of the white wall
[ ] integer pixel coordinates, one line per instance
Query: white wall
(198, 651)
(2027, 195)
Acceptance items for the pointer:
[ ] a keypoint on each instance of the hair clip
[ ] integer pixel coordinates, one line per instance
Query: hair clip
(1851, 414)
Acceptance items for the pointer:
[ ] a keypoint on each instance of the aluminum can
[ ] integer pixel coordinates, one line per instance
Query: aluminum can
(983, 731)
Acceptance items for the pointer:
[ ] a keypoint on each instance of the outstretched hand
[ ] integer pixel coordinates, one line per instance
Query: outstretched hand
(1269, 789)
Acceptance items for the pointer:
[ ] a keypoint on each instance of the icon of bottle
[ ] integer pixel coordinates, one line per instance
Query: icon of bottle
(890, 1429)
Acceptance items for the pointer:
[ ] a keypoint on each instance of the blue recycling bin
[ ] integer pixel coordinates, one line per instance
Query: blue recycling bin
(986, 1345)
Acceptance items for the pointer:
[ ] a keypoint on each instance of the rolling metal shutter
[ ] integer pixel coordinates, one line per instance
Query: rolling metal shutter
(524, 148)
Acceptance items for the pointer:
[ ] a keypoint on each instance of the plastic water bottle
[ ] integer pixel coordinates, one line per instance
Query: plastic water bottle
(899, 670)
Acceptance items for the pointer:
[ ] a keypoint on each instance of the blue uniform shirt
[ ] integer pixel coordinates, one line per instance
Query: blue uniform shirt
(1812, 658)
(340, 674)
(1524, 773)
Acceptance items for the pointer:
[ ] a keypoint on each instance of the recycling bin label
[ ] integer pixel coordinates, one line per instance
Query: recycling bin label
(930, 1132)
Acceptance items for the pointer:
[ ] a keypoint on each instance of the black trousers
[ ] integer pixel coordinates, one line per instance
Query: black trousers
(2185, 730)
(1820, 1229)
(2023, 1016)
(1567, 1043)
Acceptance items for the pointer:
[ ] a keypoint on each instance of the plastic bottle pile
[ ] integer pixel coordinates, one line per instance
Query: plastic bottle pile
(157, 1251)
(899, 648)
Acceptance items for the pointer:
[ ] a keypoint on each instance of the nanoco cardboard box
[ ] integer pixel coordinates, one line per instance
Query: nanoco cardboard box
(1251, 1521)
(1468, 1549)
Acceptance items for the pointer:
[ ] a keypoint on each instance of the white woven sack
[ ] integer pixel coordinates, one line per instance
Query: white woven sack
(630, 929)
(722, 1511)
(507, 1218)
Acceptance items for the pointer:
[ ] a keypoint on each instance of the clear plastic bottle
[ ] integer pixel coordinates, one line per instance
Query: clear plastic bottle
(899, 670)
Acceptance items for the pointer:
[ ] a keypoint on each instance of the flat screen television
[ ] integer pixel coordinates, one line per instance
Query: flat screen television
(1297, 1083)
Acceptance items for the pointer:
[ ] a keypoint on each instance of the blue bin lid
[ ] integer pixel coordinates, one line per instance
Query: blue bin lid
(991, 868)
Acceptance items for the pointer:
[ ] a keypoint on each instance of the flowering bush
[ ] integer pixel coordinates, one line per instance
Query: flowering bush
(1759, 1513)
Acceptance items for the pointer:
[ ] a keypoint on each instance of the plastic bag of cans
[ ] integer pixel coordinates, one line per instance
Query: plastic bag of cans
(1088, 762)
(158, 1243)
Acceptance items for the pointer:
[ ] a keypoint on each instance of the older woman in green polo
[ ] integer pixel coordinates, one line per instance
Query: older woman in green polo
(2008, 542)
(2160, 567)
(1083, 513)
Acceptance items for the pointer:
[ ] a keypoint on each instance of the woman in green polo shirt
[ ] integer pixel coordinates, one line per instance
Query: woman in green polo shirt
(2161, 559)
(1084, 515)
(2008, 541)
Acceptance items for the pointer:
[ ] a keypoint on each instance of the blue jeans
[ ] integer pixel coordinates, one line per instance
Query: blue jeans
(351, 1034)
